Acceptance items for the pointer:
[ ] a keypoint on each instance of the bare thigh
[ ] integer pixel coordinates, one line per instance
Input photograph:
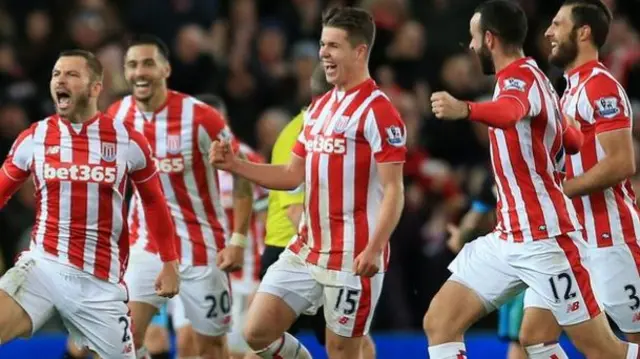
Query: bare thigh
(14, 321)
(141, 314)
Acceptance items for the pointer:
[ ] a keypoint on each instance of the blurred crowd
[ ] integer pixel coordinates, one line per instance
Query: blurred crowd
(259, 55)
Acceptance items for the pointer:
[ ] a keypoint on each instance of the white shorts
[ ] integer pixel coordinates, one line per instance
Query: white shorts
(94, 311)
(615, 281)
(497, 270)
(349, 300)
(204, 292)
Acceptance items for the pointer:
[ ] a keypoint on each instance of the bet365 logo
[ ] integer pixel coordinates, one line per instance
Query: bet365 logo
(80, 173)
(327, 145)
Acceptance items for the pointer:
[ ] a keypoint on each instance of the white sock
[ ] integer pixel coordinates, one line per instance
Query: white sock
(287, 347)
(546, 351)
(448, 351)
(633, 352)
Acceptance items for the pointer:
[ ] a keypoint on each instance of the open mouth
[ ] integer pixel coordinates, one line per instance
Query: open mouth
(142, 84)
(330, 68)
(63, 98)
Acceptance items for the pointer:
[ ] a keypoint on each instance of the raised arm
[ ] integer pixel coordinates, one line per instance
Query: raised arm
(17, 166)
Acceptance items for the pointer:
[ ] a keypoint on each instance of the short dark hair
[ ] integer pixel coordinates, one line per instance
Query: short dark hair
(358, 23)
(95, 67)
(592, 13)
(214, 101)
(504, 19)
(319, 83)
(146, 39)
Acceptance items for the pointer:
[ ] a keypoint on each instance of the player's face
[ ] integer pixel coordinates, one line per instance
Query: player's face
(71, 85)
(479, 46)
(563, 36)
(338, 56)
(146, 70)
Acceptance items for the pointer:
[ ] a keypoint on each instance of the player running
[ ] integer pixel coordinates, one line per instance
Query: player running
(350, 155)
(81, 160)
(598, 177)
(536, 240)
(180, 130)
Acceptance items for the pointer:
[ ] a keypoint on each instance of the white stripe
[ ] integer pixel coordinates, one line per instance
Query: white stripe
(39, 136)
(66, 198)
(122, 146)
(93, 199)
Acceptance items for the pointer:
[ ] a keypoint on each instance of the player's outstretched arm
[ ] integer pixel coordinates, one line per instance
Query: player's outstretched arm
(16, 168)
(8, 186)
(275, 177)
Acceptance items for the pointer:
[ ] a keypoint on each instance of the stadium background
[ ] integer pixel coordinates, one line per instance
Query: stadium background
(258, 55)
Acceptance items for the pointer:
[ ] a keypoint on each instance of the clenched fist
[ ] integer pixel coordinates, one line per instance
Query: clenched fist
(447, 107)
(221, 155)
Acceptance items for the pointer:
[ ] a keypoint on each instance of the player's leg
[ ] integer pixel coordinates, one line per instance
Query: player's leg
(557, 275)
(238, 348)
(206, 297)
(287, 290)
(25, 299)
(615, 278)
(481, 281)
(143, 302)
(509, 321)
(368, 348)
(540, 332)
(186, 346)
(348, 312)
(156, 339)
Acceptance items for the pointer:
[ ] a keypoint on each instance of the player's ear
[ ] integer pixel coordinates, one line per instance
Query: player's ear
(488, 39)
(584, 33)
(167, 70)
(362, 51)
(96, 88)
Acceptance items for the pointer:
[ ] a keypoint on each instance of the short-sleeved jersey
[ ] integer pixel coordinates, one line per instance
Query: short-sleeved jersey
(250, 271)
(345, 136)
(525, 159)
(595, 99)
(80, 173)
(180, 134)
(280, 230)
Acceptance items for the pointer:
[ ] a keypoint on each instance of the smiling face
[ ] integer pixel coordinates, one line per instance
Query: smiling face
(563, 36)
(146, 71)
(339, 57)
(72, 85)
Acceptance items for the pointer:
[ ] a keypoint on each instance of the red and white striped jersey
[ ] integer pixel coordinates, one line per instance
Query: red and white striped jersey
(345, 135)
(180, 134)
(525, 159)
(80, 173)
(600, 104)
(247, 278)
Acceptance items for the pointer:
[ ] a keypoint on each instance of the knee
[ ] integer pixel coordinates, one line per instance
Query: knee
(256, 337)
(538, 327)
(185, 342)
(437, 323)
(339, 347)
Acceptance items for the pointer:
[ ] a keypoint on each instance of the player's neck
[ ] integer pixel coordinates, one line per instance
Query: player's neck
(504, 60)
(157, 101)
(83, 116)
(354, 80)
(584, 56)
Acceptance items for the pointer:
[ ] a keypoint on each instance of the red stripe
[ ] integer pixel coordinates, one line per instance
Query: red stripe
(506, 189)
(77, 237)
(364, 307)
(596, 199)
(581, 274)
(103, 259)
(361, 191)
(123, 241)
(52, 229)
(314, 208)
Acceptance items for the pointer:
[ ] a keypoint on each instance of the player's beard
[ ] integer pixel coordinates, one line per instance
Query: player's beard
(566, 51)
(486, 60)
(81, 104)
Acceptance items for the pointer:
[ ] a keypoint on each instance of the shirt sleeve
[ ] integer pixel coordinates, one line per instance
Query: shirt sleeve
(212, 127)
(140, 162)
(385, 132)
(605, 102)
(17, 165)
(518, 84)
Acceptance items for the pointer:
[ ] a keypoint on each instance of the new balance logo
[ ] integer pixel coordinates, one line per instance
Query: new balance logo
(52, 150)
(81, 173)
